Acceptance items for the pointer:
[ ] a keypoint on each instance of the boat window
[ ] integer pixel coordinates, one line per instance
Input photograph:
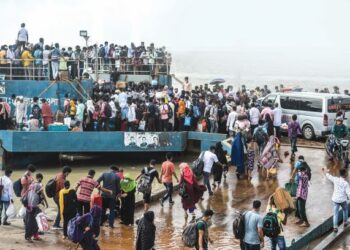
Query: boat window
(338, 104)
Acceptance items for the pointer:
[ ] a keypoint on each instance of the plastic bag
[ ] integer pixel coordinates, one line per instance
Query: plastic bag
(67, 121)
(41, 220)
(22, 212)
(11, 211)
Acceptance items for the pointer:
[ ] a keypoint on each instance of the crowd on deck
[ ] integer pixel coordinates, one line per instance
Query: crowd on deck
(25, 60)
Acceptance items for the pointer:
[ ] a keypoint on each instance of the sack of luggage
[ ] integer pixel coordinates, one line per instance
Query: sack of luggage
(43, 224)
(190, 235)
(198, 165)
(74, 231)
(283, 200)
(271, 227)
(291, 187)
(238, 225)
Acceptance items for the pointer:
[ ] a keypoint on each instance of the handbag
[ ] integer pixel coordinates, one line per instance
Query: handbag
(291, 187)
(142, 125)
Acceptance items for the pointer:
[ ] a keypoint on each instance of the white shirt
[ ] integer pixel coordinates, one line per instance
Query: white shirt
(23, 35)
(254, 115)
(209, 158)
(341, 190)
(231, 120)
(7, 193)
(113, 108)
(46, 54)
(131, 113)
(277, 117)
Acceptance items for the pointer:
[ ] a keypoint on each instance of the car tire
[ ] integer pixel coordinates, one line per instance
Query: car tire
(308, 132)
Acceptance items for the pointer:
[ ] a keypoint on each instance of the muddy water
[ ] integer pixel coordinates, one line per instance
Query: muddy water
(232, 195)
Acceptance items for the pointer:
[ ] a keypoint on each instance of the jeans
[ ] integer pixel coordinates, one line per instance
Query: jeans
(251, 247)
(278, 241)
(3, 206)
(293, 144)
(301, 209)
(336, 206)
(54, 65)
(206, 177)
(213, 126)
(110, 204)
(169, 192)
(58, 216)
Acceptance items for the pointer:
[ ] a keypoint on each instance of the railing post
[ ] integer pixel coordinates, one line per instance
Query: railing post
(79, 69)
(11, 70)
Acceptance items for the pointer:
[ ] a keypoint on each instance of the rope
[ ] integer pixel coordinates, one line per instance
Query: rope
(47, 88)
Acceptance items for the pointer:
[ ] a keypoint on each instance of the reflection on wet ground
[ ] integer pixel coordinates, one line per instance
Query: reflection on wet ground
(227, 199)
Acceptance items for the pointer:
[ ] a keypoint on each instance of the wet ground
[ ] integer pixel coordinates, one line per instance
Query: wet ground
(227, 199)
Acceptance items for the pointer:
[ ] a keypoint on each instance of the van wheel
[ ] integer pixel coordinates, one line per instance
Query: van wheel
(308, 132)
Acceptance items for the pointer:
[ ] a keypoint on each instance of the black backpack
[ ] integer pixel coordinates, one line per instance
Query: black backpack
(271, 227)
(17, 187)
(198, 165)
(260, 136)
(36, 111)
(50, 188)
(307, 168)
(170, 112)
(238, 225)
(108, 111)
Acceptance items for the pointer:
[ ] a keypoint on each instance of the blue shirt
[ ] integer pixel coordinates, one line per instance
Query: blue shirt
(110, 181)
(253, 221)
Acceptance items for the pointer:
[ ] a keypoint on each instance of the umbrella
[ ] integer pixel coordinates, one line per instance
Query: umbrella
(217, 81)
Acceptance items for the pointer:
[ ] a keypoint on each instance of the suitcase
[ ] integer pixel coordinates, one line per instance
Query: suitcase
(283, 200)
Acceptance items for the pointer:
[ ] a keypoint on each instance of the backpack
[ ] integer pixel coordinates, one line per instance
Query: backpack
(308, 169)
(238, 226)
(101, 52)
(271, 227)
(108, 110)
(190, 235)
(145, 185)
(196, 112)
(17, 187)
(74, 231)
(182, 190)
(36, 111)
(260, 136)
(198, 165)
(50, 188)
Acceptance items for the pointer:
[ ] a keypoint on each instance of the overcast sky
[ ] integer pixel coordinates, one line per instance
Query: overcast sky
(186, 24)
(270, 37)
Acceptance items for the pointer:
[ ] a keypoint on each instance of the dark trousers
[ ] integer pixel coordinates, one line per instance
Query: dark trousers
(151, 124)
(252, 128)
(104, 124)
(164, 125)
(3, 206)
(278, 241)
(251, 247)
(169, 192)
(301, 211)
(83, 207)
(206, 177)
(66, 219)
(278, 132)
(110, 204)
(131, 126)
(58, 217)
(293, 144)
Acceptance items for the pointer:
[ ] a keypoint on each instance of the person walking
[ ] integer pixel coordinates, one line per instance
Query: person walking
(68, 205)
(277, 120)
(282, 220)
(86, 186)
(150, 173)
(166, 176)
(217, 169)
(302, 192)
(111, 181)
(27, 179)
(203, 231)
(60, 179)
(253, 236)
(128, 189)
(6, 196)
(192, 191)
(341, 194)
(209, 158)
(293, 131)
(146, 232)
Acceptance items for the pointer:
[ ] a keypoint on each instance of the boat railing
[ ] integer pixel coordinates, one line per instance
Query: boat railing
(34, 69)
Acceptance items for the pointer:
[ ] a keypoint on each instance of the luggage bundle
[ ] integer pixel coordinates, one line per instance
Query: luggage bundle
(283, 200)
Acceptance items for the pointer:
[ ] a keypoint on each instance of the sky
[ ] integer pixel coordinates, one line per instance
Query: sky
(314, 33)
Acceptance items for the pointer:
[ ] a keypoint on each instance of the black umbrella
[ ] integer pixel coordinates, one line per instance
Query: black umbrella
(217, 81)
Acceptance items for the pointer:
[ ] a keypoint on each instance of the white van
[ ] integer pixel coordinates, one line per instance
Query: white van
(316, 111)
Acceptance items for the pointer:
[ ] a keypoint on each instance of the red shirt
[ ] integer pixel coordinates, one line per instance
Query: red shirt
(168, 169)
(60, 178)
(87, 185)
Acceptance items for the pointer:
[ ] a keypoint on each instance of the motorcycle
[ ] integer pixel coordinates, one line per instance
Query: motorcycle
(338, 149)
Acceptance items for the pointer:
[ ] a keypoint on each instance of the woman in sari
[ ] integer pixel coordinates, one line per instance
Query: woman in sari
(128, 187)
(193, 191)
(238, 152)
(32, 199)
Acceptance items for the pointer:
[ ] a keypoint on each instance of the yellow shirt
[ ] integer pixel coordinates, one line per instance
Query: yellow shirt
(27, 58)
(3, 57)
(61, 200)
